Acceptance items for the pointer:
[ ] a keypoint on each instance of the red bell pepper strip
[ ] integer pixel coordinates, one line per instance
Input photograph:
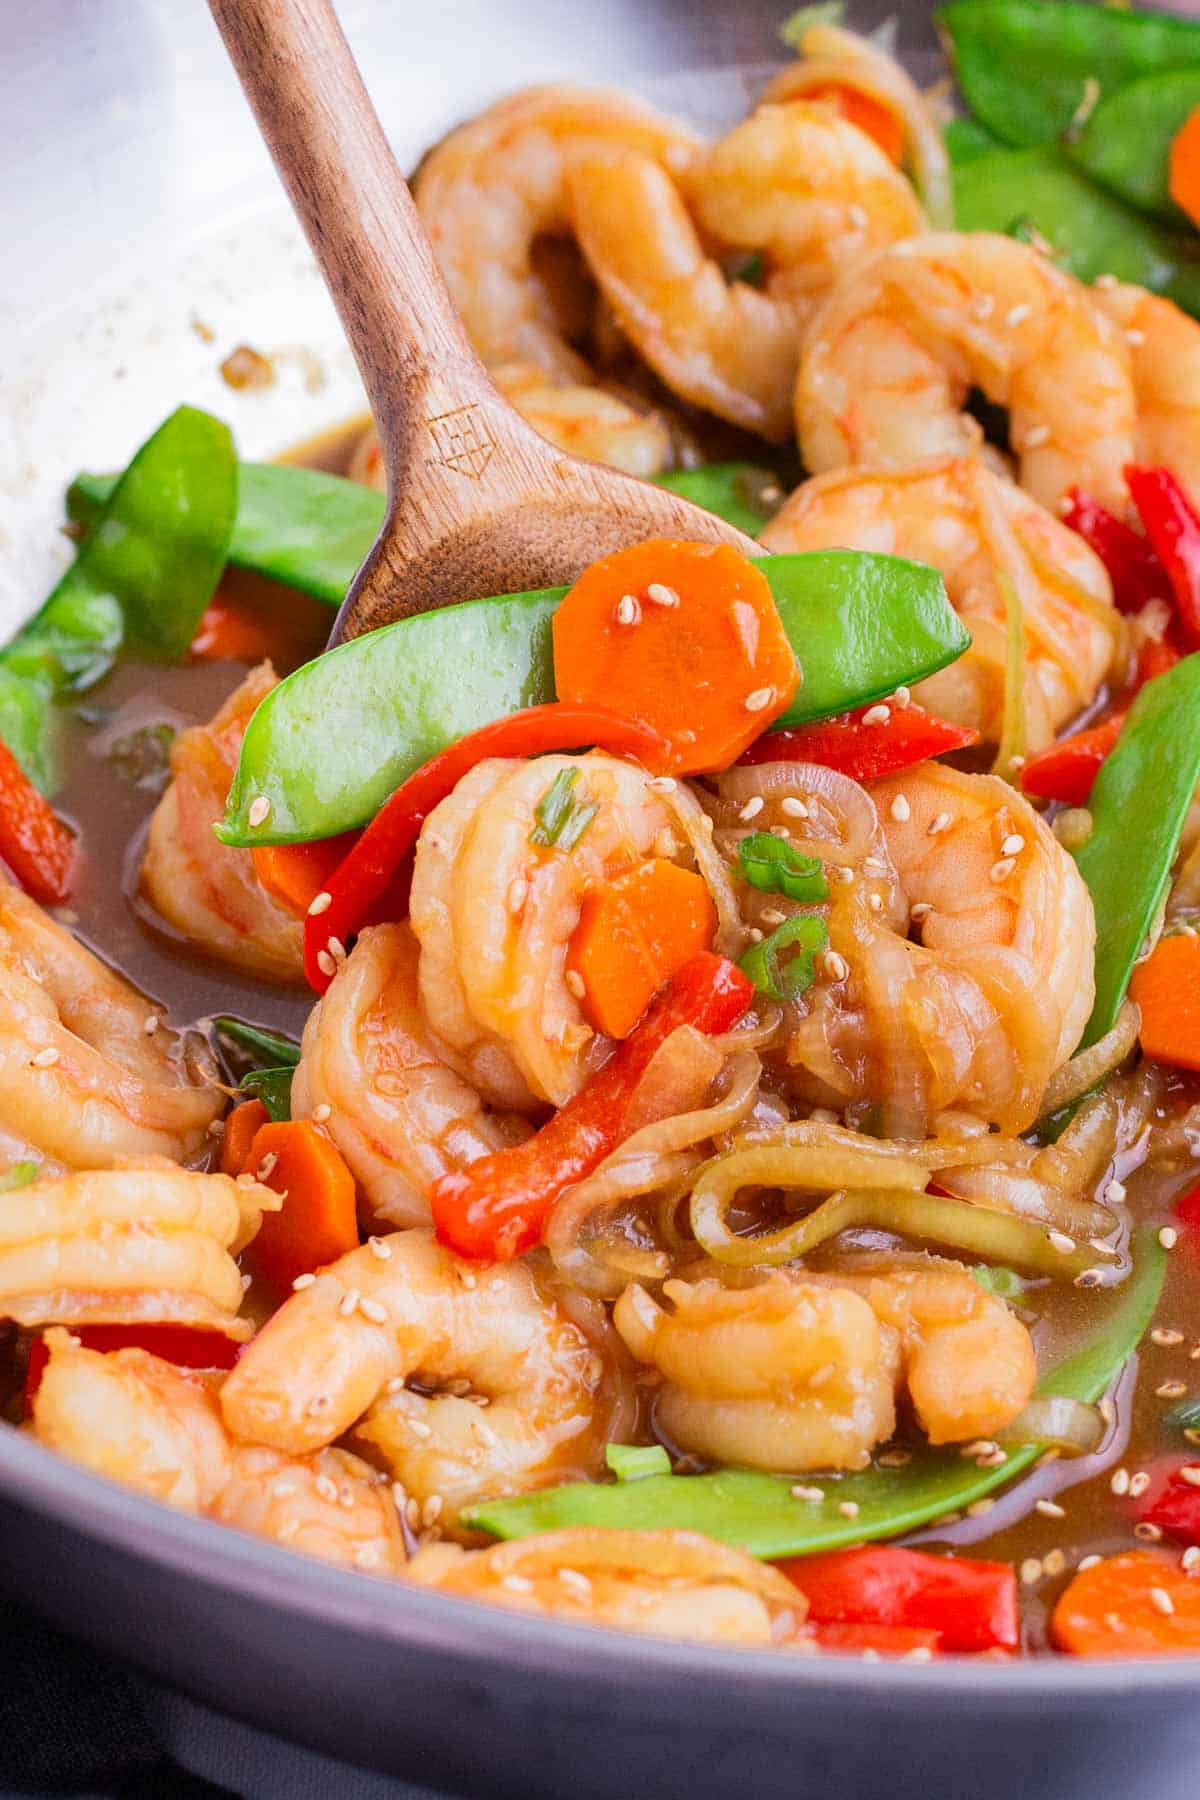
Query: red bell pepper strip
(1172, 525)
(496, 1208)
(187, 1346)
(1187, 1209)
(971, 1605)
(375, 865)
(865, 744)
(38, 848)
(1172, 1501)
(1066, 771)
(883, 1640)
(1133, 566)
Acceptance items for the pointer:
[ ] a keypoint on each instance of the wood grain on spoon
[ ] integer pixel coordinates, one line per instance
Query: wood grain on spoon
(478, 503)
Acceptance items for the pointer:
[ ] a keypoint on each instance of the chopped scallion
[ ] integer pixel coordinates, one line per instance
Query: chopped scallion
(770, 864)
(632, 1462)
(803, 935)
(561, 819)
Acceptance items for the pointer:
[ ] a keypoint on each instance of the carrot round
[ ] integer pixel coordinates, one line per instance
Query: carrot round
(634, 933)
(1166, 988)
(318, 1221)
(861, 109)
(685, 638)
(1137, 1604)
(240, 1127)
(250, 619)
(294, 874)
(1183, 181)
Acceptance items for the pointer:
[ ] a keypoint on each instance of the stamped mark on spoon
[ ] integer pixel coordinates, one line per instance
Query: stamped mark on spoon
(462, 440)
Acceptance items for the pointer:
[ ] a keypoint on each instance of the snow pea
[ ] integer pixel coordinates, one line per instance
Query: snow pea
(759, 1513)
(1125, 144)
(311, 530)
(1138, 806)
(273, 1087)
(966, 138)
(1025, 65)
(144, 571)
(1092, 233)
(329, 744)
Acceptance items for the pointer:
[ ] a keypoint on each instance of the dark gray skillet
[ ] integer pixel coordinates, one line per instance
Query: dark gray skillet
(461, 1696)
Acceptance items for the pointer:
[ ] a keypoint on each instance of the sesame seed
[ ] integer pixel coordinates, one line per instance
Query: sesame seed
(518, 892)
(1061, 1242)
(348, 1302)
(1030, 1571)
(1017, 315)
(1138, 1484)
(319, 903)
(326, 963)
(849, 1509)
(800, 1492)
(379, 1248)
(628, 610)
(843, 874)
(875, 902)
(942, 822)
(336, 949)
(1013, 844)
(979, 1508)
(1000, 871)
(1171, 1390)
(1087, 1562)
(1165, 1336)
(902, 697)
(326, 1487)
(46, 1059)
(431, 1511)
(900, 810)
(216, 1128)
(992, 1459)
(367, 1557)
(894, 1459)
(1161, 1601)
(920, 909)
(1148, 1533)
(1050, 1509)
(1089, 1278)
(467, 1277)
(1190, 1560)
(1054, 1562)
(793, 808)
(1190, 1472)
(1135, 337)
(374, 1310)
(420, 1429)
(1035, 436)
(517, 1584)
(978, 1447)
(303, 1281)
(835, 966)
(152, 1024)
(922, 1654)
(752, 808)
(246, 1280)
(877, 715)
(576, 1582)
(759, 699)
(1104, 282)
(1114, 1193)
(1168, 1237)
(660, 595)
(575, 984)
(662, 784)
(260, 811)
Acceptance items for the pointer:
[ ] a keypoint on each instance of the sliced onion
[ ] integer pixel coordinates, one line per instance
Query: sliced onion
(1057, 1422)
(676, 1079)
(849, 804)
(1090, 1066)
(732, 935)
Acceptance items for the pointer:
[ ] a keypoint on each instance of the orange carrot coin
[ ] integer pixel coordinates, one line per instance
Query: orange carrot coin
(1140, 1603)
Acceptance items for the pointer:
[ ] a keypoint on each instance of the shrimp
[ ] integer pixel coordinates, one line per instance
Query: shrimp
(797, 183)
(981, 1011)
(136, 1419)
(1164, 347)
(398, 1115)
(581, 420)
(494, 915)
(87, 1073)
(205, 891)
(889, 359)
(977, 528)
(144, 1242)
(337, 1354)
(674, 1584)
(493, 188)
(784, 1375)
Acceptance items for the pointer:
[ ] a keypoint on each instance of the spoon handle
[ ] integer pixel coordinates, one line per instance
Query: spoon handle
(333, 157)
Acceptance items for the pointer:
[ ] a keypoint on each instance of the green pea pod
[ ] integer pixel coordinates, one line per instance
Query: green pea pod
(1026, 66)
(311, 530)
(329, 744)
(1092, 233)
(759, 1513)
(1138, 805)
(273, 1087)
(1125, 144)
(145, 571)
(267, 1047)
(967, 138)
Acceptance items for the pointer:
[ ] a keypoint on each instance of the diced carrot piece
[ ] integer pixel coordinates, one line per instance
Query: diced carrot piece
(1166, 988)
(862, 109)
(251, 619)
(238, 1136)
(1137, 1604)
(318, 1221)
(34, 842)
(634, 933)
(689, 637)
(1183, 182)
(294, 874)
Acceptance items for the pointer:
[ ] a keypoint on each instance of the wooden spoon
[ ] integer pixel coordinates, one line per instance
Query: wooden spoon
(478, 503)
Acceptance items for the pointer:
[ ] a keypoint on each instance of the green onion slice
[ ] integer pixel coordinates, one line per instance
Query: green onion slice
(771, 865)
(561, 819)
(804, 936)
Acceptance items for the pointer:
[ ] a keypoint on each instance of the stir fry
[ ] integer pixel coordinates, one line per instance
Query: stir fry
(669, 1102)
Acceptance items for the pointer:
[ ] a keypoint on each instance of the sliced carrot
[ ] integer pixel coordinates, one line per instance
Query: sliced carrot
(35, 843)
(240, 1128)
(1183, 183)
(1137, 1604)
(861, 109)
(1167, 990)
(633, 934)
(318, 1221)
(294, 874)
(688, 638)
(250, 619)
